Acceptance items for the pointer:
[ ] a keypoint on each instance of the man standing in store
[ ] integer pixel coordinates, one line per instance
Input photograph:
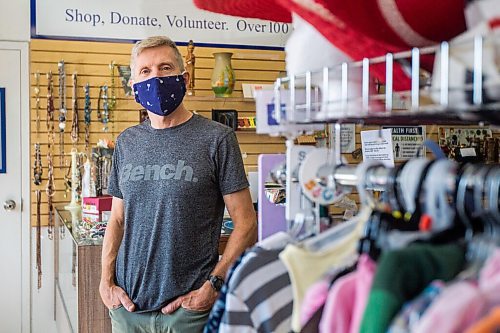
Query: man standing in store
(170, 179)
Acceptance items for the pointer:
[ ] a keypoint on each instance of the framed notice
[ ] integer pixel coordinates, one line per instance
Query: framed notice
(3, 153)
(129, 21)
(407, 142)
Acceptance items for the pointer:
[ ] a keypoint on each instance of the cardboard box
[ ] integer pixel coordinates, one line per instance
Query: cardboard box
(97, 204)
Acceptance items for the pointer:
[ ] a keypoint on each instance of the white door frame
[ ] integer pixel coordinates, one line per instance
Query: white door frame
(23, 48)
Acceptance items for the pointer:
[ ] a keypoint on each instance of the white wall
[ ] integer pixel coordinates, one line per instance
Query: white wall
(42, 300)
(15, 20)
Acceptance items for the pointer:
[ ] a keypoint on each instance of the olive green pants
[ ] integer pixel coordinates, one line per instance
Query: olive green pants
(181, 321)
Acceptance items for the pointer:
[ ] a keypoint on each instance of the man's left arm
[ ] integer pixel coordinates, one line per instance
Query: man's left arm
(240, 208)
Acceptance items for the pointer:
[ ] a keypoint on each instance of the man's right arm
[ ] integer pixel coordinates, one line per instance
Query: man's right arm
(112, 295)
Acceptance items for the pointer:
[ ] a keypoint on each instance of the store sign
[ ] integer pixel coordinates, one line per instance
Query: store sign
(407, 141)
(136, 20)
(3, 153)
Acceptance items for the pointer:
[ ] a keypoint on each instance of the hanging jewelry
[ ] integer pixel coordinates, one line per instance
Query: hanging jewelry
(67, 181)
(50, 110)
(50, 190)
(74, 120)
(62, 111)
(38, 196)
(87, 114)
(103, 116)
(37, 166)
(37, 101)
(112, 101)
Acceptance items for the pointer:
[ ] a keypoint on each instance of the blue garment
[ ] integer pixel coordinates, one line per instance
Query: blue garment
(215, 317)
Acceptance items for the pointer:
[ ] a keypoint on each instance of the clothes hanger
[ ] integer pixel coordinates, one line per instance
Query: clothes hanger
(352, 228)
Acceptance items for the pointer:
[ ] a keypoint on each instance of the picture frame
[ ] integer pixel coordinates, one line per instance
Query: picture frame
(226, 117)
(3, 136)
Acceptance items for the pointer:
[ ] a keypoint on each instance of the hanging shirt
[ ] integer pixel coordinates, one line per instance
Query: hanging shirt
(347, 299)
(475, 299)
(307, 267)
(314, 301)
(407, 319)
(219, 306)
(259, 297)
(402, 275)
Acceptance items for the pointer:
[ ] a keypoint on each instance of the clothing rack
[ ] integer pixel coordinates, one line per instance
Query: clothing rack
(305, 98)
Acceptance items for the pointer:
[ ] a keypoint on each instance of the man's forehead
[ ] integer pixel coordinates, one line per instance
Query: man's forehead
(156, 55)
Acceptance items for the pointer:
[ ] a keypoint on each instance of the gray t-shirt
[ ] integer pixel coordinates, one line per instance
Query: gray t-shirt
(172, 182)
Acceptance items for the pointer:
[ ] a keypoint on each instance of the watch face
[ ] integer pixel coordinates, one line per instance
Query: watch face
(217, 282)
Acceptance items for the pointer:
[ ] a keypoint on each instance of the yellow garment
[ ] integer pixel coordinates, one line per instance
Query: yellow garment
(489, 324)
(306, 267)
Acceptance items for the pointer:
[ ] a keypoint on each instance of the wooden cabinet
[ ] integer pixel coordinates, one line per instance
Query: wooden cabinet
(78, 305)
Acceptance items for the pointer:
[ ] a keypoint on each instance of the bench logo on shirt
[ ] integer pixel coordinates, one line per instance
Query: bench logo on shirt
(157, 172)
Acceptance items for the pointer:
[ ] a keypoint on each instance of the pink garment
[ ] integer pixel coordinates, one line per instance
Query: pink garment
(463, 303)
(347, 299)
(315, 297)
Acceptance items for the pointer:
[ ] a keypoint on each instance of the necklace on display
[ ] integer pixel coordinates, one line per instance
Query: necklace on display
(112, 101)
(62, 111)
(50, 190)
(50, 110)
(38, 196)
(37, 166)
(37, 101)
(74, 106)
(103, 116)
(87, 113)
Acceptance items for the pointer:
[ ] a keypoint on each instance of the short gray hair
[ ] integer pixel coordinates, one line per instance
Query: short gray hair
(151, 42)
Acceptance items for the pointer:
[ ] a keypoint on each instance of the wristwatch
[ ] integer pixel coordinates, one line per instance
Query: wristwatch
(216, 281)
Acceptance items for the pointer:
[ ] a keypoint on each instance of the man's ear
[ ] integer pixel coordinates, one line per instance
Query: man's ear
(131, 83)
(185, 75)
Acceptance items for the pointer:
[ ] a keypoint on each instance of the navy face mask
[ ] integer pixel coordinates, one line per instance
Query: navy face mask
(161, 95)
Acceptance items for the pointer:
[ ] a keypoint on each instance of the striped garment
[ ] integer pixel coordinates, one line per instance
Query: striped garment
(219, 307)
(259, 297)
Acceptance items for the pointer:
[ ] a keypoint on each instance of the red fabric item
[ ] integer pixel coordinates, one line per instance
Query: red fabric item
(261, 9)
(362, 28)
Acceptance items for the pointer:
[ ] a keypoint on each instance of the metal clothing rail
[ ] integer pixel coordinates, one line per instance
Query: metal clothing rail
(308, 101)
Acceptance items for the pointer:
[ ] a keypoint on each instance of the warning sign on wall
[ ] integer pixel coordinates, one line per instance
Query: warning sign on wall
(407, 141)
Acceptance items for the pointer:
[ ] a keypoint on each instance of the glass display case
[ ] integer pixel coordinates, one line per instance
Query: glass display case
(78, 305)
